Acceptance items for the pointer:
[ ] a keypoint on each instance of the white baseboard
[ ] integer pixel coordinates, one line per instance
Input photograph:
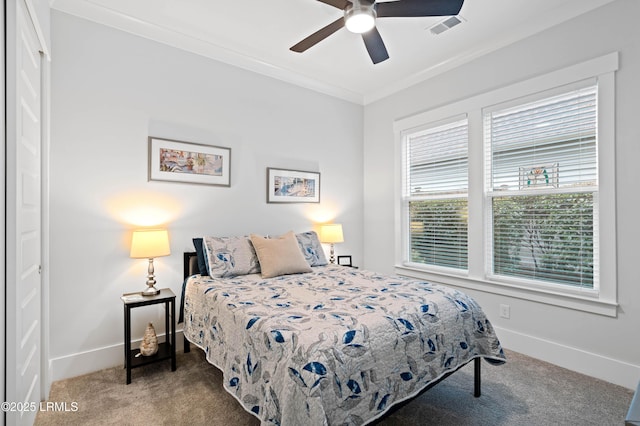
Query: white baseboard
(594, 365)
(610, 370)
(81, 363)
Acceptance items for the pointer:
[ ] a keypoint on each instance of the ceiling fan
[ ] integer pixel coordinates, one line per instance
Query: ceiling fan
(360, 17)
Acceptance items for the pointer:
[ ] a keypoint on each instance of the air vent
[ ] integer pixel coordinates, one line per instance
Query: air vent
(445, 25)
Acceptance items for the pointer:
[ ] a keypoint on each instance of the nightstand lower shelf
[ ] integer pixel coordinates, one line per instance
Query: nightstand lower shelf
(164, 352)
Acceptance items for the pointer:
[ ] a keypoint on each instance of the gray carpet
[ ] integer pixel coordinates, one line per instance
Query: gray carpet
(524, 391)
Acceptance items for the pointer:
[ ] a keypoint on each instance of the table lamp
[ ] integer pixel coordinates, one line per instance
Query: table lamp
(147, 244)
(331, 233)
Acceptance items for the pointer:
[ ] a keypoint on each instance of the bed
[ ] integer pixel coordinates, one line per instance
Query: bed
(329, 345)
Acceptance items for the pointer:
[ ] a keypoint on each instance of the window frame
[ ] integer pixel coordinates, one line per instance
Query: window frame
(407, 198)
(602, 301)
(491, 193)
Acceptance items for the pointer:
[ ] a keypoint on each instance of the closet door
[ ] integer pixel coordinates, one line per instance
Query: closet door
(23, 213)
(2, 206)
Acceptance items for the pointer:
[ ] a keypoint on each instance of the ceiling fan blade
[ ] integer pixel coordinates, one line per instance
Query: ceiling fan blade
(318, 36)
(415, 8)
(375, 46)
(340, 4)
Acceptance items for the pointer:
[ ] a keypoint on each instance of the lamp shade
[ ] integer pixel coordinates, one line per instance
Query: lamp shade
(150, 243)
(331, 233)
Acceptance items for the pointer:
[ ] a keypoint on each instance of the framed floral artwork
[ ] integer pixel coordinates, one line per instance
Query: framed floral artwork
(541, 176)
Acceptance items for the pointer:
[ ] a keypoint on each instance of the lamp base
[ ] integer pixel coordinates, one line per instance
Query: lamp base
(150, 291)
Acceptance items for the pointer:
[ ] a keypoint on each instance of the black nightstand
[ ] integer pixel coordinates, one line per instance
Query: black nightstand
(167, 349)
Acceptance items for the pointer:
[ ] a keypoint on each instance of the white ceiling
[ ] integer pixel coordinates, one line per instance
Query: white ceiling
(257, 34)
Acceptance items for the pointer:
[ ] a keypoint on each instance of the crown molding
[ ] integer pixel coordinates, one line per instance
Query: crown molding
(115, 19)
(103, 15)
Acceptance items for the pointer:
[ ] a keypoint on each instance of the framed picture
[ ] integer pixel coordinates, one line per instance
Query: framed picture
(187, 162)
(292, 186)
(344, 261)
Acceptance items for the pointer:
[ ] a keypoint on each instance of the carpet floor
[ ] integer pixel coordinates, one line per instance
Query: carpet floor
(524, 391)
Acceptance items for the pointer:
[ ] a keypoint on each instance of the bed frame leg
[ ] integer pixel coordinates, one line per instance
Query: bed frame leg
(476, 377)
(187, 345)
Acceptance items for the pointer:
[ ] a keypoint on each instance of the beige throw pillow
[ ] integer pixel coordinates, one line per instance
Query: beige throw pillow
(280, 255)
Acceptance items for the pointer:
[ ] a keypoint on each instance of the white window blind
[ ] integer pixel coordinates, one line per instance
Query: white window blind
(435, 194)
(542, 188)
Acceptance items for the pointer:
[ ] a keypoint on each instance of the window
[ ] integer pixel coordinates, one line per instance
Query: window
(542, 191)
(435, 194)
(512, 191)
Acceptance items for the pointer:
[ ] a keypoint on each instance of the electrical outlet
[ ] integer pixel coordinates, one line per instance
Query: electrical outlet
(505, 311)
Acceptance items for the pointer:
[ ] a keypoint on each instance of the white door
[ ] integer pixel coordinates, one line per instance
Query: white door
(2, 217)
(23, 214)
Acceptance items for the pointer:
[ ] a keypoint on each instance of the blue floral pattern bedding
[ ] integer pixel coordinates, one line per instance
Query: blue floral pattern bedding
(334, 346)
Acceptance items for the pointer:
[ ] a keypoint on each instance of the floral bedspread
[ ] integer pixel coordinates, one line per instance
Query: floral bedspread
(334, 346)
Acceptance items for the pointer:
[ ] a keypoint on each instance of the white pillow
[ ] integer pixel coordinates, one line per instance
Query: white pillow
(279, 255)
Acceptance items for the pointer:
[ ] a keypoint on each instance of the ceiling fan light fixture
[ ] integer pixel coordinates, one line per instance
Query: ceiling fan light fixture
(360, 19)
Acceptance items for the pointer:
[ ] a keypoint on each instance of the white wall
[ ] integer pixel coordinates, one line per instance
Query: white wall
(110, 91)
(601, 346)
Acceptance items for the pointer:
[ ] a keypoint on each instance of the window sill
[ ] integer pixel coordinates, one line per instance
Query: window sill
(571, 301)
